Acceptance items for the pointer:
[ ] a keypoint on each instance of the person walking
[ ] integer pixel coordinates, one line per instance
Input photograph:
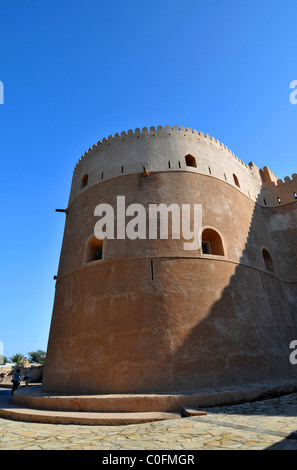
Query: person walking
(16, 380)
(27, 378)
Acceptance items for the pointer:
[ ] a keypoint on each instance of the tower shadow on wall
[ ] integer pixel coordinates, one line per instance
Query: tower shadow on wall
(246, 336)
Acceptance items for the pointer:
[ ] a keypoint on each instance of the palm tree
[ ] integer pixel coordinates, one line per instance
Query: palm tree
(17, 359)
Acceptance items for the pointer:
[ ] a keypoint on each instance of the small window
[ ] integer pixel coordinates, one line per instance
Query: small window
(84, 181)
(191, 161)
(169, 164)
(265, 201)
(236, 180)
(225, 176)
(94, 250)
(295, 195)
(209, 170)
(212, 243)
(279, 200)
(179, 165)
(269, 265)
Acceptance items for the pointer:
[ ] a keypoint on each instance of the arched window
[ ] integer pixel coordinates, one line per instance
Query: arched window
(212, 243)
(94, 250)
(236, 180)
(268, 261)
(84, 181)
(191, 161)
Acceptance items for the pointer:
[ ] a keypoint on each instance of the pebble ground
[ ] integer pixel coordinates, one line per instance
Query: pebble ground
(269, 424)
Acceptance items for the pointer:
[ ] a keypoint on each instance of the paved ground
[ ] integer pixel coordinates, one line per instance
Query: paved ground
(269, 424)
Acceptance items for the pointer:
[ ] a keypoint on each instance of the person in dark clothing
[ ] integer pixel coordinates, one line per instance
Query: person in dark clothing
(16, 380)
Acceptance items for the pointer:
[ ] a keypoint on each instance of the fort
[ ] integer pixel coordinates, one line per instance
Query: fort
(149, 316)
(145, 316)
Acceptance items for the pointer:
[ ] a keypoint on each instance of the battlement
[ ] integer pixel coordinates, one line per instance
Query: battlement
(161, 148)
(153, 132)
(280, 192)
(287, 179)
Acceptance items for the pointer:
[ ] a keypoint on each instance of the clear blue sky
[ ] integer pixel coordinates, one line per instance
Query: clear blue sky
(77, 71)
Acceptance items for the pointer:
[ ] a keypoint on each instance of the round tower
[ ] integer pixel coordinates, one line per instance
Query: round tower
(145, 315)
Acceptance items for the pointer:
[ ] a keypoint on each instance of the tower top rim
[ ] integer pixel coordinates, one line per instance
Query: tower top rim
(154, 132)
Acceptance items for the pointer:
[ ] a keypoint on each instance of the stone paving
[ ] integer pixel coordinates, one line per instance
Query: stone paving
(269, 424)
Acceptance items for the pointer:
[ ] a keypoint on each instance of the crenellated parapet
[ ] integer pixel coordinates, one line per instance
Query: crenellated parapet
(164, 148)
(158, 149)
(280, 192)
(152, 132)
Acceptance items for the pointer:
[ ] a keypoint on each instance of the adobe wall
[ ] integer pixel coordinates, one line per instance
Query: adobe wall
(156, 149)
(151, 317)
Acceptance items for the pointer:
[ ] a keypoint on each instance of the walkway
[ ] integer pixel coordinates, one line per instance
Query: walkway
(269, 424)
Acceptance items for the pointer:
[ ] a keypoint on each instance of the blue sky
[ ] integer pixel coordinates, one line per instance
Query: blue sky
(77, 71)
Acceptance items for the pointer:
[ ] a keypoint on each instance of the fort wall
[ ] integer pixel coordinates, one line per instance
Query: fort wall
(151, 317)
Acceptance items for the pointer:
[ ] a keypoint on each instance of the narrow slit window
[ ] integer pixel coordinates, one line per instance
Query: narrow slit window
(179, 165)
(295, 195)
(191, 161)
(209, 170)
(268, 261)
(236, 180)
(152, 270)
(279, 200)
(84, 181)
